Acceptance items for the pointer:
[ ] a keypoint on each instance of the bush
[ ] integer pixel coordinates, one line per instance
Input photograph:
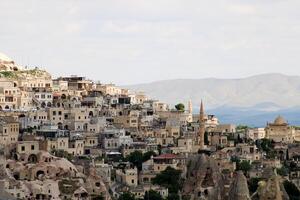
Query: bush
(179, 107)
(170, 178)
(152, 195)
(126, 196)
(173, 196)
(137, 158)
(245, 166)
(62, 154)
(253, 184)
(283, 171)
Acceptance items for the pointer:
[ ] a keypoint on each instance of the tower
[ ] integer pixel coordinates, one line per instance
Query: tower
(201, 127)
(190, 107)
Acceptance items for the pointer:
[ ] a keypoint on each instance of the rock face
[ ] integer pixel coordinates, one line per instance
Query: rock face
(7, 64)
(272, 189)
(203, 179)
(239, 188)
(44, 176)
(9, 69)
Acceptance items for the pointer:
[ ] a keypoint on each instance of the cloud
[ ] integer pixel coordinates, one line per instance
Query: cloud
(146, 28)
(132, 41)
(73, 28)
(243, 9)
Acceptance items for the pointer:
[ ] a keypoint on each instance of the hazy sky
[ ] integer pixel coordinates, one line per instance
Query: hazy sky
(136, 41)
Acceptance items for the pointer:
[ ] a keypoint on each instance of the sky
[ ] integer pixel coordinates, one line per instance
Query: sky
(137, 41)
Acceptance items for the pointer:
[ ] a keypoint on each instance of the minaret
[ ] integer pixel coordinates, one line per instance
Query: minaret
(201, 127)
(190, 107)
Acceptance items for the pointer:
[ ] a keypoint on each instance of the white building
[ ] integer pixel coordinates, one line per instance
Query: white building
(256, 133)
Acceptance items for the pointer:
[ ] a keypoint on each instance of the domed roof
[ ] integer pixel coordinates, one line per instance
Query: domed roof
(280, 120)
(4, 57)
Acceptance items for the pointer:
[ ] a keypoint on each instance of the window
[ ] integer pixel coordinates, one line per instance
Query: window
(32, 147)
(23, 148)
(97, 184)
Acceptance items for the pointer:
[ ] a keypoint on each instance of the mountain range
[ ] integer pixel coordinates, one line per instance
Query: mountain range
(252, 100)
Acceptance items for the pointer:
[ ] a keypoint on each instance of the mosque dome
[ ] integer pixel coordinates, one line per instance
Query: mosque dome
(280, 121)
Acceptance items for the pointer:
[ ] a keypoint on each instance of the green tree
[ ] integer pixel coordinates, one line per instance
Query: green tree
(136, 158)
(242, 127)
(152, 195)
(283, 171)
(170, 178)
(173, 196)
(97, 197)
(245, 166)
(62, 154)
(159, 148)
(235, 159)
(265, 144)
(179, 107)
(147, 155)
(126, 196)
(292, 190)
(206, 142)
(253, 184)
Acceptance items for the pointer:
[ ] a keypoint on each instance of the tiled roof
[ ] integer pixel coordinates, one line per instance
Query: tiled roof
(166, 156)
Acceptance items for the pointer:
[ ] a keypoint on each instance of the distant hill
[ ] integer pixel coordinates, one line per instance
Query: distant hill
(255, 117)
(253, 100)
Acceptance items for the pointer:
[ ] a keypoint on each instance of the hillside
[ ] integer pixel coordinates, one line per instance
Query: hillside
(253, 100)
(275, 89)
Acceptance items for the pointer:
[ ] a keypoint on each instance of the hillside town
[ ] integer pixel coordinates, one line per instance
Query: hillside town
(74, 138)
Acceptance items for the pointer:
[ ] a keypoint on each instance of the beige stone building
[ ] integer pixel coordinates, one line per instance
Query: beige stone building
(161, 162)
(58, 143)
(31, 82)
(128, 119)
(28, 147)
(128, 177)
(256, 133)
(10, 95)
(217, 139)
(160, 107)
(110, 89)
(60, 85)
(9, 131)
(186, 143)
(140, 98)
